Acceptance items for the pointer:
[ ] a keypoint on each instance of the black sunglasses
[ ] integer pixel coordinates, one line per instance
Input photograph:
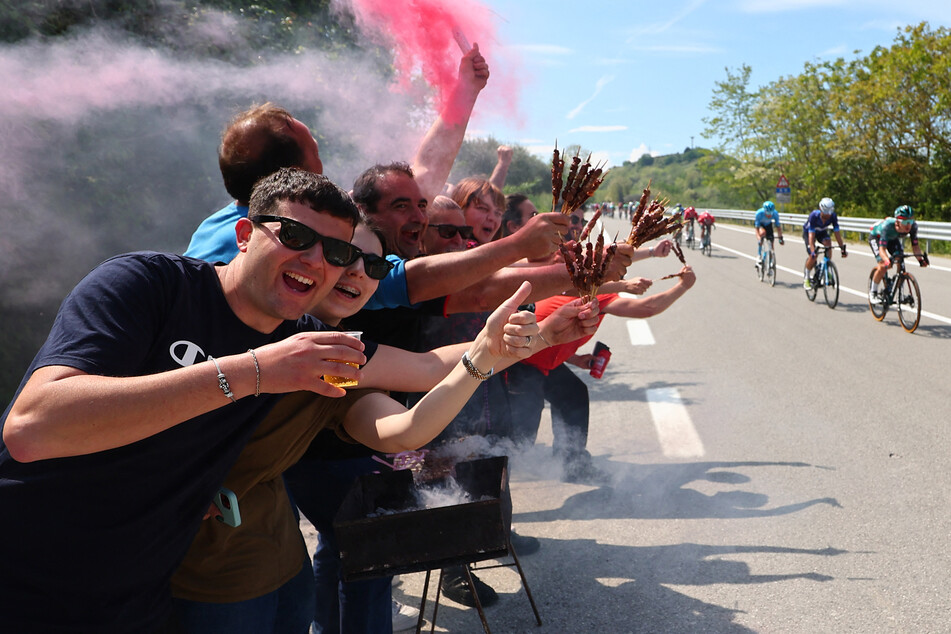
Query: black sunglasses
(299, 237)
(374, 266)
(575, 220)
(449, 231)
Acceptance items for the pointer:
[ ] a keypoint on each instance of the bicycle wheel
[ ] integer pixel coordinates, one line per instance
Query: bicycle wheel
(810, 292)
(771, 268)
(909, 302)
(878, 310)
(831, 286)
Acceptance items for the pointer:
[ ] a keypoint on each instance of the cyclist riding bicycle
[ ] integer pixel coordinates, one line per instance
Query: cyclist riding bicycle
(885, 240)
(706, 222)
(815, 230)
(690, 215)
(766, 218)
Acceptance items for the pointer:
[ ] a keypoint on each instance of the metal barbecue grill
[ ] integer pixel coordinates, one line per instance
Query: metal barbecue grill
(382, 531)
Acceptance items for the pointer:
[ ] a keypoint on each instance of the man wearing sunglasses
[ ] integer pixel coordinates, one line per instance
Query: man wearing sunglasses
(143, 396)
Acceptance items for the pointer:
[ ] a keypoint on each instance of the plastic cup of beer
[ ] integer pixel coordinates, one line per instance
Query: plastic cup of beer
(343, 381)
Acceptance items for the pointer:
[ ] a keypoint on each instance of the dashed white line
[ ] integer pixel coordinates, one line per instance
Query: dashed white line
(675, 431)
(640, 333)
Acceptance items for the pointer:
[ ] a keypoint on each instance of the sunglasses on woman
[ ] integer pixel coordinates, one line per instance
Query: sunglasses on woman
(374, 266)
(299, 237)
(449, 232)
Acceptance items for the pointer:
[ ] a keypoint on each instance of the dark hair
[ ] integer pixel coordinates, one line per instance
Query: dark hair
(512, 212)
(256, 143)
(370, 223)
(300, 186)
(366, 190)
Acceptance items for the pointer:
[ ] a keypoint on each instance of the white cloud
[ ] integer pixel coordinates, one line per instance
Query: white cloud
(641, 150)
(604, 81)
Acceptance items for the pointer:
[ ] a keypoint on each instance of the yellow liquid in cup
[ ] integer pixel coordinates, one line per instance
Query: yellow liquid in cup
(342, 381)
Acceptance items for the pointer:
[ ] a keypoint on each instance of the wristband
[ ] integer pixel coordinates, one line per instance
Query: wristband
(650, 252)
(257, 373)
(474, 371)
(222, 380)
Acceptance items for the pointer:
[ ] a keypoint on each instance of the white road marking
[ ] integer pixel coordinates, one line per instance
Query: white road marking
(675, 431)
(640, 333)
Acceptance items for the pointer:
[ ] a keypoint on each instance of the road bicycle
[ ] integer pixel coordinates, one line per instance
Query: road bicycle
(705, 247)
(689, 240)
(766, 265)
(900, 289)
(826, 277)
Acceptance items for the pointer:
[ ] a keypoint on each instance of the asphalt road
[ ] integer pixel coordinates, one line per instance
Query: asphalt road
(777, 467)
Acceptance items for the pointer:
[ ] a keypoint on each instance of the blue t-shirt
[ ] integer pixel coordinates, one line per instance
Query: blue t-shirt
(214, 240)
(815, 222)
(765, 218)
(89, 543)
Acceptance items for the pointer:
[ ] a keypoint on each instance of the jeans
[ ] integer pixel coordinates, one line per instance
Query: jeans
(318, 487)
(286, 610)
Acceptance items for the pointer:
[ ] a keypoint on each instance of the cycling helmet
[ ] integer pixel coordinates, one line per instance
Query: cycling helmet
(905, 212)
(826, 205)
(769, 206)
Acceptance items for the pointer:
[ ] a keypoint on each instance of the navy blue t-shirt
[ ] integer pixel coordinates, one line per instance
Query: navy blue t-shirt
(88, 543)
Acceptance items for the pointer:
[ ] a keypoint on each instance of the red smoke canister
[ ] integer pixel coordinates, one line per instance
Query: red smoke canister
(602, 354)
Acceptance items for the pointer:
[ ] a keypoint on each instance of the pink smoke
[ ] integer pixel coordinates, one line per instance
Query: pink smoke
(421, 33)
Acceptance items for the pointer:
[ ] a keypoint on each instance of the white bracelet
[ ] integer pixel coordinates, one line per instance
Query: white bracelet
(257, 373)
(650, 252)
(474, 371)
(222, 380)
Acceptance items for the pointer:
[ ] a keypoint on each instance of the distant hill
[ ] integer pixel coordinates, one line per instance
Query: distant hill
(695, 177)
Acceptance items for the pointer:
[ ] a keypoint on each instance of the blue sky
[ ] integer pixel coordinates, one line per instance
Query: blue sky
(625, 77)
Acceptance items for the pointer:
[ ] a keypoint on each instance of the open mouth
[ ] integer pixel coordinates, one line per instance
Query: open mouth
(297, 282)
(351, 292)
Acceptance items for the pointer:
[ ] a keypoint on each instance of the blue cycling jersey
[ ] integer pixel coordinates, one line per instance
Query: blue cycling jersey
(765, 218)
(815, 222)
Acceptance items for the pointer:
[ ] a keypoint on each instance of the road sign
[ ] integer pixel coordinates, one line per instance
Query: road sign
(783, 191)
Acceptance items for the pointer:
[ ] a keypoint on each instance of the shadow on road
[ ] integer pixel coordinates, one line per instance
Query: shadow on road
(661, 491)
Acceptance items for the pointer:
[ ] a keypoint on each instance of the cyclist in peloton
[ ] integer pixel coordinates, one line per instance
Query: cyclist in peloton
(766, 218)
(885, 240)
(815, 230)
(690, 214)
(706, 222)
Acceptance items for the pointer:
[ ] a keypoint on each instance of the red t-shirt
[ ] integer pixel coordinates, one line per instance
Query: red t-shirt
(553, 356)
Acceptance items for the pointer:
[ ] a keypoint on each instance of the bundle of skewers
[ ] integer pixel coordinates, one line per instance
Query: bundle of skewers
(588, 263)
(648, 221)
(575, 188)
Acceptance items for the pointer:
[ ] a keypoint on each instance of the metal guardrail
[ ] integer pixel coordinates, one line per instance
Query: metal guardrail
(927, 230)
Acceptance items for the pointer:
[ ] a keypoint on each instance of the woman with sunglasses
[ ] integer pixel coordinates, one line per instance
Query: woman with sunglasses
(259, 567)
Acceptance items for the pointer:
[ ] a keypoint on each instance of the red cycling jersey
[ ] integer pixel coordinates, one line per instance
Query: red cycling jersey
(706, 218)
(690, 214)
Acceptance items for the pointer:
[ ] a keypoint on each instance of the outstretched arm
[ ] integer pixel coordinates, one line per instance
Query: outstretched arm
(439, 147)
(655, 304)
(421, 371)
(446, 273)
(63, 411)
(501, 167)
(384, 425)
